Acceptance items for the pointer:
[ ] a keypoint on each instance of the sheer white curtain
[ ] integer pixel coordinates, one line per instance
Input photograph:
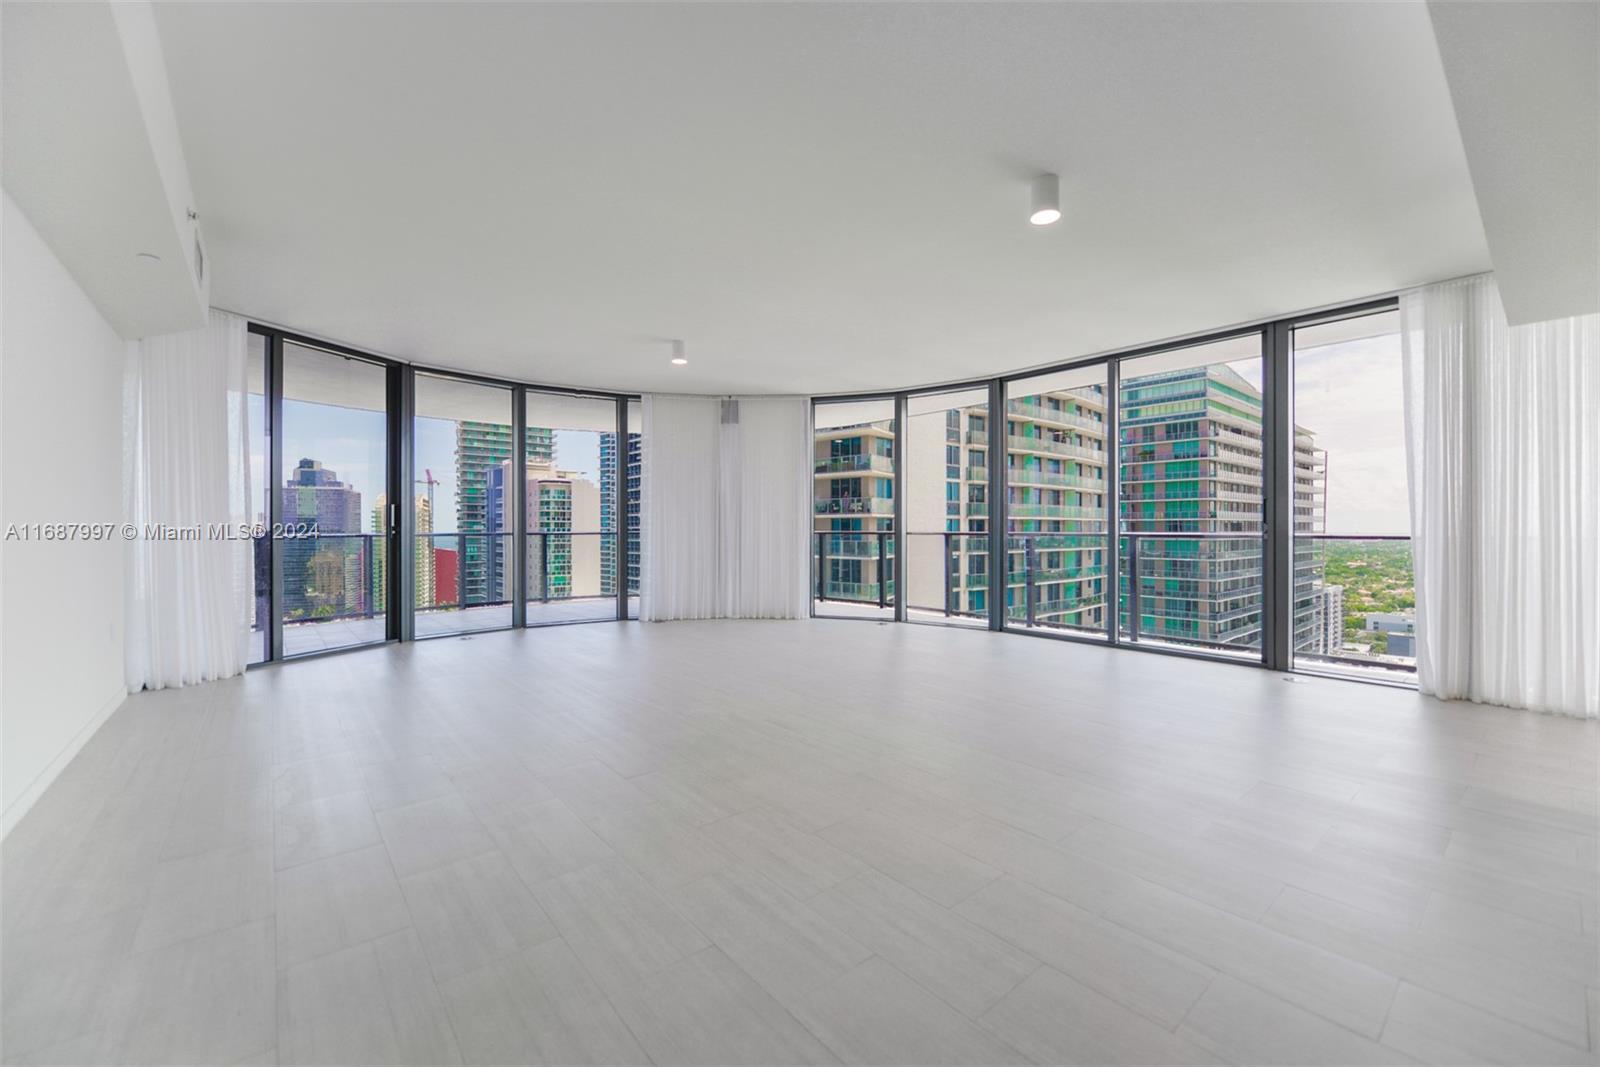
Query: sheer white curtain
(726, 498)
(680, 522)
(1503, 452)
(767, 508)
(186, 470)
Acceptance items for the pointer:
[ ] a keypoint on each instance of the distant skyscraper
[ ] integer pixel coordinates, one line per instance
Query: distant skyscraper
(422, 564)
(317, 583)
(1327, 629)
(608, 497)
(481, 447)
(1191, 463)
(559, 503)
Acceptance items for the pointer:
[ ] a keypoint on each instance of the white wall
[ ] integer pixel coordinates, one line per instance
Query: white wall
(61, 655)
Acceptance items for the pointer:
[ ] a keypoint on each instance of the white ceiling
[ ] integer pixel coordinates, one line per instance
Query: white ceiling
(815, 197)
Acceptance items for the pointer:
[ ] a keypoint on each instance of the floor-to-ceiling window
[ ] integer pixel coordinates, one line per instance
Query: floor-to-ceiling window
(260, 508)
(1190, 470)
(853, 464)
(571, 463)
(344, 474)
(335, 473)
(1354, 595)
(463, 521)
(947, 487)
(1056, 464)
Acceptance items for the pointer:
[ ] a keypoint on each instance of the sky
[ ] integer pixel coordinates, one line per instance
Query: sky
(1350, 395)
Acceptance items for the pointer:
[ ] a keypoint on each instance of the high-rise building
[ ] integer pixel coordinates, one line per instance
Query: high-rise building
(316, 580)
(481, 447)
(608, 496)
(1055, 492)
(1327, 622)
(560, 503)
(1056, 508)
(422, 562)
(1191, 462)
(854, 501)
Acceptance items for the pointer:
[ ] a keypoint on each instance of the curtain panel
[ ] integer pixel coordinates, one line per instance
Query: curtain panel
(1503, 458)
(186, 489)
(680, 524)
(726, 499)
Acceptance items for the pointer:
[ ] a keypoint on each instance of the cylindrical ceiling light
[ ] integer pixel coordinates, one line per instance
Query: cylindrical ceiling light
(1046, 200)
(678, 358)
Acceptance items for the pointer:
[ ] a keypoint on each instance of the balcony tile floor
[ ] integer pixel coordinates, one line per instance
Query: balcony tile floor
(308, 637)
(804, 842)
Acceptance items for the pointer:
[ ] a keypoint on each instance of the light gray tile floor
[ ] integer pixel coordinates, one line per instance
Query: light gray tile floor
(804, 842)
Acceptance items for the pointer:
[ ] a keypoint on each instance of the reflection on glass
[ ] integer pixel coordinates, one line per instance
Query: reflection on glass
(947, 507)
(570, 466)
(335, 462)
(260, 487)
(853, 503)
(462, 554)
(1354, 589)
(1056, 532)
(1190, 471)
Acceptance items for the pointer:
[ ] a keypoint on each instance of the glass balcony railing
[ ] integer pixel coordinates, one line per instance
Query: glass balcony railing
(845, 464)
(854, 567)
(335, 590)
(336, 587)
(1058, 580)
(947, 577)
(1353, 597)
(1355, 605)
(854, 505)
(1044, 413)
(572, 576)
(1193, 589)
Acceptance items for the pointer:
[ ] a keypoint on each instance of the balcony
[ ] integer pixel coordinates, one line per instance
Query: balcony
(854, 505)
(336, 587)
(1040, 413)
(1053, 511)
(1032, 476)
(1047, 446)
(849, 464)
(1359, 586)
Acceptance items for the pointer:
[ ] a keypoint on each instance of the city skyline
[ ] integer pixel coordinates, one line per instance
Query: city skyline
(352, 454)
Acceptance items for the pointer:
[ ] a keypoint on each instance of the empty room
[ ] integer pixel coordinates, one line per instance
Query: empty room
(776, 533)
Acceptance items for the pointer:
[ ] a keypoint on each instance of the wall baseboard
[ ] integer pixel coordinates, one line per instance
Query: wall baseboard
(30, 796)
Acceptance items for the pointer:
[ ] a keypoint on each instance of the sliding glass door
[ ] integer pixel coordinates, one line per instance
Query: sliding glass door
(853, 550)
(571, 465)
(1058, 455)
(947, 487)
(333, 527)
(401, 503)
(1191, 468)
(463, 522)
(1353, 586)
